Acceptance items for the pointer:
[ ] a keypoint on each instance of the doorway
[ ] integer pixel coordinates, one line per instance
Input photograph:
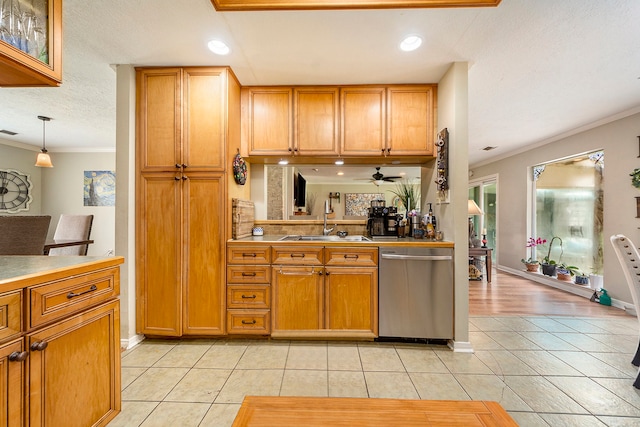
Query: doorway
(484, 192)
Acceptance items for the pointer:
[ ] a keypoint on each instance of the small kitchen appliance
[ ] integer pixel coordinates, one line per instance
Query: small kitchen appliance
(383, 220)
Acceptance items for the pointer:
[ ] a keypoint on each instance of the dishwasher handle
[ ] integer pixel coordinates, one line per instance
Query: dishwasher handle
(417, 257)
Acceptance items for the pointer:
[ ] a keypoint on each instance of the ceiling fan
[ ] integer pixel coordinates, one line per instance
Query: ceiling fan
(379, 178)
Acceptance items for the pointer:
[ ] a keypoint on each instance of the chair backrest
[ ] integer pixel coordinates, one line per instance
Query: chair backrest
(23, 234)
(72, 227)
(630, 262)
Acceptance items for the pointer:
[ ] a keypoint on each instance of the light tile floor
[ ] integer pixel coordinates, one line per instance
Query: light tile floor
(544, 370)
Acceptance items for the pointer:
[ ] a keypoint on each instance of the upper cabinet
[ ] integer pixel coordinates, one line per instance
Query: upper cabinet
(184, 115)
(362, 117)
(30, 43)
(267, 121)
(364, 122)
(411, 120)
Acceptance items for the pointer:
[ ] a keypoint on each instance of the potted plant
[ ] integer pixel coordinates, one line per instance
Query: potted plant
(565, 272)
(531, 263)
(582, 278)
(409, 194)
(549, 265)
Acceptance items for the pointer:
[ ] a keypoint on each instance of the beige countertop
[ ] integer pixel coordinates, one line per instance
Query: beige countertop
(407, 241)
(19, 271)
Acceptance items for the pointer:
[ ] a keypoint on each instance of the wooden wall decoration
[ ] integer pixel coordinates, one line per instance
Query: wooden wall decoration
(442, 163)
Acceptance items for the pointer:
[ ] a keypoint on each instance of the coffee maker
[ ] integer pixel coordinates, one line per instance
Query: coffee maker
(382, 220)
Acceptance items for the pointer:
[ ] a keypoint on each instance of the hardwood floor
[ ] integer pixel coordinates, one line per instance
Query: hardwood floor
(513, 295)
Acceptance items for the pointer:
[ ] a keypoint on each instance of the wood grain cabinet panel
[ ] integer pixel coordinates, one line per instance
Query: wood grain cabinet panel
(362, 121)
(63, 357)
(267, 116)
(358, 257)
(316, 120)
(298, 298)
(12, 384)
(297, 255)
(248, 274)
(351, 299)
(10, 314)
(411, 120)
(246, 254)
(243, 322)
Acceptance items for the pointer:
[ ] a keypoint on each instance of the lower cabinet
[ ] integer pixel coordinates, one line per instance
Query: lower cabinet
(327, 301)
(74, 370)
(60, 346)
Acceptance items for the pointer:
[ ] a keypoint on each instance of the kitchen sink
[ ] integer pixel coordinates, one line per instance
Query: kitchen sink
(320, 238)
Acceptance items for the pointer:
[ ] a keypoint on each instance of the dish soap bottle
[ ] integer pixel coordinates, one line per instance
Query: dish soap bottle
(430, 226)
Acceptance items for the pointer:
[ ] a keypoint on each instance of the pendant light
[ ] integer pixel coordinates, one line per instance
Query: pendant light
(44, 160)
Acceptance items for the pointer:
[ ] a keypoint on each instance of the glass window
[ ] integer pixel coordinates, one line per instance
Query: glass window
(569, 205)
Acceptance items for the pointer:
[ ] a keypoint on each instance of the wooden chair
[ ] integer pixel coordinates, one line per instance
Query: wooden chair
(23, 234)
(630, 262)
(72, 227)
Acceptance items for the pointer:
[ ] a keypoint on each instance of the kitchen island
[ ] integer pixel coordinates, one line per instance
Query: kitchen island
(60, 339)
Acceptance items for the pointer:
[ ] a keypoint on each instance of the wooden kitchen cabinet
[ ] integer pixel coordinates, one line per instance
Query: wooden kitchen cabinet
(248, 290)
(298, 299)
(12, 383)
(61, 366)
(44, 66)
(85, 346)
(182, 113)
(316, 119)
(267, 121)
(337, 298)
(186, 117)
(181, 240)
(362, 120)
(411, 120)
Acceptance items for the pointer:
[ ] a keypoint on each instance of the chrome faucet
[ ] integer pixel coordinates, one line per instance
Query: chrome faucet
(327, 211)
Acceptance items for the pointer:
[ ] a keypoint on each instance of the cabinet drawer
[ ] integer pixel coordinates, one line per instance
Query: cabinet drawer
(365, 257)
(248, 274)
(297, 255)
(239, 296)
(10, 314)
(248, 322)
(248, 255)
(60, 298)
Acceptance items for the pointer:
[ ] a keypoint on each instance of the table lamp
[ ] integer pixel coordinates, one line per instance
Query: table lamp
(473, 209)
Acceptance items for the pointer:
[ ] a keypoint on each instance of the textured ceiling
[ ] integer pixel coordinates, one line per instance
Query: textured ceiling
(538, 69)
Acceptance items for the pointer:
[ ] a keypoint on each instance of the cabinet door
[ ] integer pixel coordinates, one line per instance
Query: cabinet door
(41, 66)
(12, 375)
(297, 298)
(363, 121)
(316, 121)
(63, 357)
(410, 120)
(351, 298)
(204, 255)
(159, 120)
(204, 106)
(267, 121)
(158, 249)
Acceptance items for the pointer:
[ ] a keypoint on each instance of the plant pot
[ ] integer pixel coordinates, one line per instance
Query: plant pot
(549, 269)
(565, 277)
(595, 282)
(582, 280)
(532, 267)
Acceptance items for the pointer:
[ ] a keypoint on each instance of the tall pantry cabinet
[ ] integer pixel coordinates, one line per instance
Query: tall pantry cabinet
(185, 117)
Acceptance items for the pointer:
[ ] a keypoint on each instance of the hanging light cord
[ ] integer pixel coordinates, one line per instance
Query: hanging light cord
(44, 120)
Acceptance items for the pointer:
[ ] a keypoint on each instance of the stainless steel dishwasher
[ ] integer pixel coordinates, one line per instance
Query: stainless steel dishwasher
(415, 297)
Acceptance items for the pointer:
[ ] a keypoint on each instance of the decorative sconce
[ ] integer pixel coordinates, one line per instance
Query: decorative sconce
(44, 160)
(442, 159)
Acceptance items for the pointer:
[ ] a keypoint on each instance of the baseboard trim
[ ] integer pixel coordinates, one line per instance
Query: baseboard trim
(460, 346)
(126, 344)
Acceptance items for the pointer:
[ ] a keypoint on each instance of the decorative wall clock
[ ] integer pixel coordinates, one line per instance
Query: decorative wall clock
(15, 191)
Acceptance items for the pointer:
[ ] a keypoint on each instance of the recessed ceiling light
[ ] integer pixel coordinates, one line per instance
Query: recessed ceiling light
(410, 43)
(340, 173)
(218, 47)
(339, 162)
(283, 162)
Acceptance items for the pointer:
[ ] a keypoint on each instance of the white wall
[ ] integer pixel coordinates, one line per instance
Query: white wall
(619, 139)
(63, 192)
(453, 114)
